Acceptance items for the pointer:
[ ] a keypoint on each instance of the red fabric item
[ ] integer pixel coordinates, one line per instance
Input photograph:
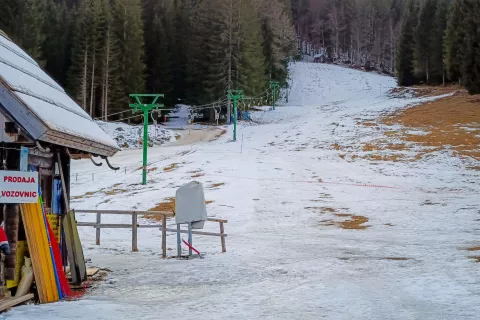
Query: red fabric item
(3, 237)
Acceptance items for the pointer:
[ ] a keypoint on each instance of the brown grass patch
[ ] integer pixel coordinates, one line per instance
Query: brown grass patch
(115, 191)
(377, 157)
(445, 121)
(152, 169)
(369, 147)
(86, 195)
(350, 221)
(196, 175)
(217, 185)
(474, 168)
(355, 222)
(475, 258)
(388, 224)
(395, 258)
(368, 124)
(167, 205)
(474, 248)
(343, 214)
(336, 146)
(451, 123)
(171, 167)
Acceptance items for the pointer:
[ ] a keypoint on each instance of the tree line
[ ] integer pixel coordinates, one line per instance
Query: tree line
(192, 51)
(421, 41)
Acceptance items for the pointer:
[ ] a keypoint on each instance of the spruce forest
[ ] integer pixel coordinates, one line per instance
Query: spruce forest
(419, 41)
(193, 51)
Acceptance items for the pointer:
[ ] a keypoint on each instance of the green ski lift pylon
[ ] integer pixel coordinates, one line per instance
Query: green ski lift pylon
(274, 85)
(235, 95)
(146, 108)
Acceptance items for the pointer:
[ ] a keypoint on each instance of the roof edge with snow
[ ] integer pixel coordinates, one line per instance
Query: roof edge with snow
(41, 107)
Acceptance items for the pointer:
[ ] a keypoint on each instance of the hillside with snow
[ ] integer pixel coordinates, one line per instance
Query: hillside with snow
(312, 233)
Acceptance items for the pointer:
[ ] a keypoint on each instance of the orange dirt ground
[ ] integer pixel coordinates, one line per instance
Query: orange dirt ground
(449, 123)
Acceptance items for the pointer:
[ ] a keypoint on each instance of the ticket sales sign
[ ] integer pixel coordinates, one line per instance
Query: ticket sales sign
(18, 187)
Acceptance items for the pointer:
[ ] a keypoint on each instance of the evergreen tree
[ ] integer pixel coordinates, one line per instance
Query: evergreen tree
(252, 65)
(437, 68)
(455, 40)
(79, 71)
(31, 35)
(471, 59)
(111, 89)
(405, 54)
(127, 28)
(349, 9)
(423, 35)
(158, 47)
(58, 40)
(10, 21)
(180, 49)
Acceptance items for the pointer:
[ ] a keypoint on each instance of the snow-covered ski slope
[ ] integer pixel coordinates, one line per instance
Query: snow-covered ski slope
(288, 257)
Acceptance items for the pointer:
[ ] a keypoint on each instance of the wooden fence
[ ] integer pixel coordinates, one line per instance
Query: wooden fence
(135, 226)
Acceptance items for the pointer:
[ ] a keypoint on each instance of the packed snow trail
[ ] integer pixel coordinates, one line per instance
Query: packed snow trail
(284, 197)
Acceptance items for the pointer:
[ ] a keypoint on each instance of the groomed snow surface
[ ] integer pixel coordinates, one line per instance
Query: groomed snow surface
(284, 261)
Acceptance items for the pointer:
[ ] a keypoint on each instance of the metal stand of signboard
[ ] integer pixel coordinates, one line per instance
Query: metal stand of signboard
(179, 240)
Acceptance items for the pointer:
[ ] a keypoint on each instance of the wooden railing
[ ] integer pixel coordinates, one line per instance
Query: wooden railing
(134, 226)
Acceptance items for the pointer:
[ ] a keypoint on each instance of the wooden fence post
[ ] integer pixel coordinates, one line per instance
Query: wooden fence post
(99, 221)
(134, 232)
(164, 236)
(222, 237)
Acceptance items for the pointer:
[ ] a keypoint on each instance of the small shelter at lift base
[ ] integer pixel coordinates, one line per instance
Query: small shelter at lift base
(41, 130)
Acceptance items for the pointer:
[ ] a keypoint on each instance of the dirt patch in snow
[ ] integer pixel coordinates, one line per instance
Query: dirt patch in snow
(354, 222)
(395, 258)
(171, 167)
(477, 248)
(342, 220)
(475, 258)
(450, 123)
(197, 173)
(167, 205)
(216, 185)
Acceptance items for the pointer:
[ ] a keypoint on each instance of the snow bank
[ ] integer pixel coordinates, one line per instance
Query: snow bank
(131, 137)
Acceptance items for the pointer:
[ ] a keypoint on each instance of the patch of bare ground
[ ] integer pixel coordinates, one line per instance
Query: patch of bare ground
(451, 123)
(475, 258)
(477, 248)
(395, 258)
(196, 173)
(171, 167)
(115, 191)
(354, 222)
(347, 220)
(216, 185)
(90, 194)
(168, 205)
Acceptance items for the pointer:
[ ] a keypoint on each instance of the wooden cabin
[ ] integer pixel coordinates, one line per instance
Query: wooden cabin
(35, 112)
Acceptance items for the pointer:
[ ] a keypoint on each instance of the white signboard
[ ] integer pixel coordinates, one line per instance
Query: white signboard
(18, 187)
